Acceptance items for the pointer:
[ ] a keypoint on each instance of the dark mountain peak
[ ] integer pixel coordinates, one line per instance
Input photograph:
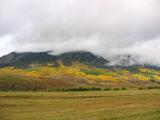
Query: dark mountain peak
(76, 54)
(24, 59)
(8, 58)
(84, 57)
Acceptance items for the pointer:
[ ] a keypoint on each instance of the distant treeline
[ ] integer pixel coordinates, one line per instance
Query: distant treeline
(78, 89)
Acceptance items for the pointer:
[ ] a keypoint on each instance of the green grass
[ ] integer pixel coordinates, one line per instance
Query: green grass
(97, 105)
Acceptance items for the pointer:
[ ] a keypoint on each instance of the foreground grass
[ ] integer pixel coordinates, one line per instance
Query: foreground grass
(97, 105)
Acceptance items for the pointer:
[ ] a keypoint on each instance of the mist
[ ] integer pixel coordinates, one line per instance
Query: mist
(104, 27)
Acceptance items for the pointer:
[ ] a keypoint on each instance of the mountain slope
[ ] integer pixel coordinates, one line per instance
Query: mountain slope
(82, 57)
(23, 60)
(45, 77)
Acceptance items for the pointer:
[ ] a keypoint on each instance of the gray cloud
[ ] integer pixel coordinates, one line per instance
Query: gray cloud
(105, 27)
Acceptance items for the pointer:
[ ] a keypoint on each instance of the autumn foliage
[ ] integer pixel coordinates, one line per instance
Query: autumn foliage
(78, 70)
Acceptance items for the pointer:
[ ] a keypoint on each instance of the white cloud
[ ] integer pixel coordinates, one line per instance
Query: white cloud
(5, 44)
(146, 51)
(105, 27)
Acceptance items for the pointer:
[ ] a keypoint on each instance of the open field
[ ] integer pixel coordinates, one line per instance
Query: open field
(97, 105)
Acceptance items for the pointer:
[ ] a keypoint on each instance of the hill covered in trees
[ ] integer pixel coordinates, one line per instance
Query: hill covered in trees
(82, 70)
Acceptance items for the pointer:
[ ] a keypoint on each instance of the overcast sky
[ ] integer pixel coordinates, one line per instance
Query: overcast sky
(105, 27)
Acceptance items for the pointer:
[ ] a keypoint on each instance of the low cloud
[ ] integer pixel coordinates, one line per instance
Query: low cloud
(107, 27)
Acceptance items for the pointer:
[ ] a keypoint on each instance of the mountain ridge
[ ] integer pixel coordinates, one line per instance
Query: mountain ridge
(24, 59)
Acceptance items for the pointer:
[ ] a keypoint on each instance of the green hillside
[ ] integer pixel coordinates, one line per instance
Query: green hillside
(48, 77)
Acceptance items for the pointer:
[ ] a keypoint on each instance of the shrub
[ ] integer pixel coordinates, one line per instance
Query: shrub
(141, 88)
(123, 88)
(116, 88)
(150, 87)
(107, 89)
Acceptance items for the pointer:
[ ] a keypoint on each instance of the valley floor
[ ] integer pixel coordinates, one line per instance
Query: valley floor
(98, 105)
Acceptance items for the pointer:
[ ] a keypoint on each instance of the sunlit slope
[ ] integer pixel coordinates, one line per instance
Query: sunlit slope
(39, 77)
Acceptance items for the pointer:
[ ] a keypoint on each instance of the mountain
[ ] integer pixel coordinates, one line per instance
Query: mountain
(124, 60)
(25, 59)
(130, 62)
(82, 57)
(44, 71)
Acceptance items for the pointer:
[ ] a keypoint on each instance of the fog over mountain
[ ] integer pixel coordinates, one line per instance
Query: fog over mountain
(105, 27)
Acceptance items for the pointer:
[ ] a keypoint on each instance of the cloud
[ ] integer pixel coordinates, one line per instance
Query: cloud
(144, 51)
(105, 27)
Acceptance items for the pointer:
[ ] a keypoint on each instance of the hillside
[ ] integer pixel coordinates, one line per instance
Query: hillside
(49, 77)
(42, 71)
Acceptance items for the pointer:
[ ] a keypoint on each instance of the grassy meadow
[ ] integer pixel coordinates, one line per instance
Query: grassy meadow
(39, 93)
(89, 105)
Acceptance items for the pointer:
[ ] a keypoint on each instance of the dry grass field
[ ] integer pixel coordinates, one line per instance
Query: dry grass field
(93, 105)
